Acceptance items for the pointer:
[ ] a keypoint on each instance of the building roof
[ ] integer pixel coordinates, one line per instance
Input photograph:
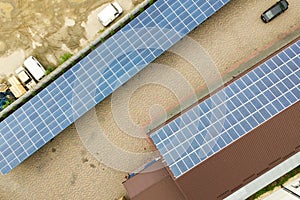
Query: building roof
(230, 113)
(249, 157)
(267, 178)
(157, 182)
(230, 169)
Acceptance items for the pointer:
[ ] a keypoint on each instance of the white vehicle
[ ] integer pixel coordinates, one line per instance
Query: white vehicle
(35, 68)
(110, 13)
(25, 78)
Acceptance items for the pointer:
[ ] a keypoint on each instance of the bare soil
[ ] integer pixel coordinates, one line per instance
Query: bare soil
(47, 29)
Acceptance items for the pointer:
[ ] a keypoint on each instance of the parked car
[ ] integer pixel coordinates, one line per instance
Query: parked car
(274, 11)
(35, 68)
(110, 13)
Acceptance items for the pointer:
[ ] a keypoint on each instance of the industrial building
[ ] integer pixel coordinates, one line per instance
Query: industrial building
(221, 164)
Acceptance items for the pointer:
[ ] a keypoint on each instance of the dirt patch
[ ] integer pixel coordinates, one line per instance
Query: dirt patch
(64, 26)
(5, 10)
(77, 1)
(136, 2)
(11, 62)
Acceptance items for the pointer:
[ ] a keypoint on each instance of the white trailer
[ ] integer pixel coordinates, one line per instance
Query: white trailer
(110, 13)
(35, 68)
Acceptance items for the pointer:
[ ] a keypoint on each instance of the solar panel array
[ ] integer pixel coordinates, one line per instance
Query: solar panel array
(231, 113)
(97, 75)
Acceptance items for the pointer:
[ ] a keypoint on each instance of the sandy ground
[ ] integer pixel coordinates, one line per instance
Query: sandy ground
(48, 29)
(65, 169)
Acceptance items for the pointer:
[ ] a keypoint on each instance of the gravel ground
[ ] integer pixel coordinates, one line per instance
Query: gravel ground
(65, 169)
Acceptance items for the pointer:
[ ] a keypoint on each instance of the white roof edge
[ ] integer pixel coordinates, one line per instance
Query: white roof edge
(266, 178)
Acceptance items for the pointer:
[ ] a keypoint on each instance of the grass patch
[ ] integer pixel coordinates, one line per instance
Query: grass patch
(50, 69)
(131, 17)
(15, 108)
(7, 103)
(73, 63)
(82, 55)
(4, 116)
(65, 57)
(112, 32)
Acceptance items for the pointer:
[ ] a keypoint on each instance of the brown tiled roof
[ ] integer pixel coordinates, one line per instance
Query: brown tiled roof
(236, 165)
(156, 184)
(246, 159)
(233, 167)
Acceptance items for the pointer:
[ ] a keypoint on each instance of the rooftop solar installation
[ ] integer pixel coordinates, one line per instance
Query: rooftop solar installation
(231, 113)
(97, 75)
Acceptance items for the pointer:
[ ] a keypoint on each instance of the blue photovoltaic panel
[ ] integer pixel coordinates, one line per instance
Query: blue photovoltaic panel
(97, 75)
(231, 113)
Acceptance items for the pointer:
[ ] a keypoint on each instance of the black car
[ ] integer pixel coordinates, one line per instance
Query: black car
(274, 11)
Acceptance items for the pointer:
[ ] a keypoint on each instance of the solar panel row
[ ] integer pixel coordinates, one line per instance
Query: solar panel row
(231, 113)
(97, 75)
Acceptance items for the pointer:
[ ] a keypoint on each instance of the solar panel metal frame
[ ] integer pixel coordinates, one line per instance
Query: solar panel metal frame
(231, 113)
(97, 75)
